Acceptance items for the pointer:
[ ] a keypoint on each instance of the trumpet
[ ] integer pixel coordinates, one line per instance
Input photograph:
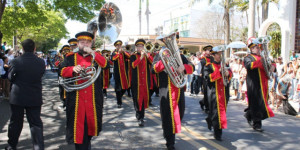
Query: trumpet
(157, 47)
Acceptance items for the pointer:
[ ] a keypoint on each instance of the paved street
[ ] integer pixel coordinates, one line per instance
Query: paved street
(121, 130)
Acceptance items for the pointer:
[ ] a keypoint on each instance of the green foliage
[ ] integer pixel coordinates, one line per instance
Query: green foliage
(275, 43)
(98, 42)
(273, 27)
(46, 28)
(81, 10)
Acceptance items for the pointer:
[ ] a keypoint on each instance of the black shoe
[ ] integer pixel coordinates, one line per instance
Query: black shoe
(129, 95)
(171, 147)
(218, 138)
(150, 104)
(209, 124)
(201, 106)
(259, 129)
(206, 111)
(119, 106)
(249, 121)
(141, 123)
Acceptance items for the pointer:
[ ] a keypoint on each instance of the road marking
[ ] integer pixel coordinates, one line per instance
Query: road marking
(194, 134)
(183, 135)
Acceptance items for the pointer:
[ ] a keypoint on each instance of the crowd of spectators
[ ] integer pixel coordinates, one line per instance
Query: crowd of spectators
(284, 84)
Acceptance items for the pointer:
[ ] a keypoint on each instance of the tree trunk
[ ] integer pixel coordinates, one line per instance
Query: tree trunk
(251, 25)
(227, 26)
(140, 17)
(258, 18)
(265, 11)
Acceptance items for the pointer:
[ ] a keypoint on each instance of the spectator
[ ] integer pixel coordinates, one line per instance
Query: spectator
(279, 67)
(293, 55)
(196, 74)
(26, 73)
(4, 47)
(4, 76)
(10, 55)
(236, 68)
(1, 73)
(282, 93)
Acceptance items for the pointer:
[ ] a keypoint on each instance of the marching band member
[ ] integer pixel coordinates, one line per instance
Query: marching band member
(84, 107)
(140, 81)
(153, 78)
(129, 70)
(257, 88)
(172, 99)
(217, 92)
(120, 73)
(106, 75)
(73, 45)
(62, 92)
(205, 60)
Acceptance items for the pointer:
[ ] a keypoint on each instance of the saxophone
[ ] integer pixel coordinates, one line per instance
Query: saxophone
(266, 61)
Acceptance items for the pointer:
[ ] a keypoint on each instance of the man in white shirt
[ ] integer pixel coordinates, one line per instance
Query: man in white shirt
(196, 74)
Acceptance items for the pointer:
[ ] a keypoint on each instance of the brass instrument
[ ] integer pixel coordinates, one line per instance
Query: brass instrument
(149, 47)
(266, 61)
(157, 47)
(108, 24)
(224, 69)
(172, 60)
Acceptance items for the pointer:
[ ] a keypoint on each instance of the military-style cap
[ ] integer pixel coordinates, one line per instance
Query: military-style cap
(65, 47)
(252, 41)
(72, 42)
(208, 47)
(217, 49)
(84, 36)
(140, 41)
(105, 51)
(118, 42)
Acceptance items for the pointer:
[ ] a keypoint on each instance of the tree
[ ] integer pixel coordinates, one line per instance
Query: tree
(46, 28)
(227, 5)
(80, 10)
(265, 8)
(275, 43)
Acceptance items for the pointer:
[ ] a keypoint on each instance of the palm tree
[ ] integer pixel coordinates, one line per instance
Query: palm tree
(227, 5)
(243, 6)
(265, 8)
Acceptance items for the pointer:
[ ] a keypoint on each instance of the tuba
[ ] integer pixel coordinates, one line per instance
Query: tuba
(108, 24)
(266, 61)
(171, 59)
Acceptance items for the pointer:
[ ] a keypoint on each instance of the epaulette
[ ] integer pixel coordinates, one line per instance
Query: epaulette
(70, 53)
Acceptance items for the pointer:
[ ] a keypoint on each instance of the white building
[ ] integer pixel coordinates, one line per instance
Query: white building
(287, 18)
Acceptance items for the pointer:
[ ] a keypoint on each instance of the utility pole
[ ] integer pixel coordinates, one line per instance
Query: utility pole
(147, 15)
(140, 17)
(251, 25)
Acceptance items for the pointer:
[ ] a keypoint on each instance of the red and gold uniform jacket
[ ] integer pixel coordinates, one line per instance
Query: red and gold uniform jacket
(172, 98)
(140, 81)
(257, 88)
(120, 71)
(85, 103)
(154, 78)
(218, 94)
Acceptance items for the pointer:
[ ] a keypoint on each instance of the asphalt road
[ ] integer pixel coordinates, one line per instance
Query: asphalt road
(121, 130)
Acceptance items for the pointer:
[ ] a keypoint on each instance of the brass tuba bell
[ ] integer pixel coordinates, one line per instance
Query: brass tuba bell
(108, 24)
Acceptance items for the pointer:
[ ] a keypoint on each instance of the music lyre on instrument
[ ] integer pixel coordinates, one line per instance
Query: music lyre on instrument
(108, 24)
